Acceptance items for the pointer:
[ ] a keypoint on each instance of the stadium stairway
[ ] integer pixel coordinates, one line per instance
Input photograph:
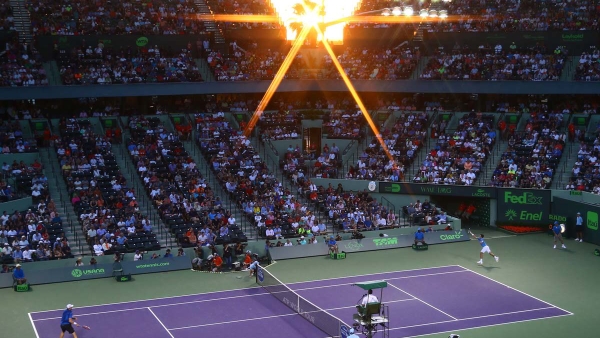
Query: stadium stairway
(287, 183)
(60, 195)
(420, 67)
(128, 169)
(562, 176)
(52, 73)
(485, 176)
(22, 21)
(211, 26)
(211, 180)
(568, 72)
(205, 71)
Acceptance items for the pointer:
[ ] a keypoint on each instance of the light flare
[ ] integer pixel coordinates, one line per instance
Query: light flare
(356, 97)
(285, 65)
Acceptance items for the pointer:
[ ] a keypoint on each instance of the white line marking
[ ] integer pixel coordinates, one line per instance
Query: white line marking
(519, 291)
(276, 316)
(504, 236)
(158, 306)
(471, 318)
(490, 325)
(387, 279)
(161, 323)
(150, 299)
(33, 324)
(233, 297)
(377, 273)
(422, 301)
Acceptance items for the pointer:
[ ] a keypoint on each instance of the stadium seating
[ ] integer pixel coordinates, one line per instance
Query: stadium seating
(585, 175)
(99, 192)
(107, 18)
(494, 65)
(403, 141)
(247, 179)
(177, 188)
(6, 16)
(351, 211)
(21, 66)
(104, 66)
(532, 156)
(459, 156)
(374, 64)
(588, 68)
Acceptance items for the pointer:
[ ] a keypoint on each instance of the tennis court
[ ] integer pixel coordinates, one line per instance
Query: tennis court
(421, 302)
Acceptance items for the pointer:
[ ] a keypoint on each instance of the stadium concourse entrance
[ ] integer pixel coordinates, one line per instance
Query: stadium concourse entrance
(455, 207)
(311, 141)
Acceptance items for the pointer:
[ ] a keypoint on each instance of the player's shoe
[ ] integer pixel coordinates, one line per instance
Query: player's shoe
(576, 239)
(497, 258)
(563, 246)
(581, 241)
(554, 246)
(480, 261)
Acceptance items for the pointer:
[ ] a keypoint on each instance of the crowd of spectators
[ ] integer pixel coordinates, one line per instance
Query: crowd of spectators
(28, 180)
(252, 64)
(6, 16)
(344, 124)
(107, 208)
(247, 179)
(402, 141)
(280, 125)
(21, 66)
(354, 211)
(177, 188)
(85, 17)
(518, 15)
(459, 156)
(532, 156)
(588, 68)
(244, 7)
(11, 138)
(33, 235)
(585, 175)
(375, 64)
(534, 64)
(102, 65)
(424, 214)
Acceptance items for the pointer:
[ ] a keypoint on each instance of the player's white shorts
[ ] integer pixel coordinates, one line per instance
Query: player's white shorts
(485, 249)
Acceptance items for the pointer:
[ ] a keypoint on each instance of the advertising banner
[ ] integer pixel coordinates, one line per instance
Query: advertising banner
(575, 41)
(69, 274)
(565, 212)
(367, 244)
(523, 206)
(436, 190)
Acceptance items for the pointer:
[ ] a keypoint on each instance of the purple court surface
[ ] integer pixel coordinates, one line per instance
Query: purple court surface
(421, 302)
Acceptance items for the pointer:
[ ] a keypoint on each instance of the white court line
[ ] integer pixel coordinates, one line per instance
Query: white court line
(34, 328)
(161, 323)
(252, 287)
(387, 279)
(504, 236)
(276, 316)
(157, 306)
(490, 325)
(377, 273)
(422, 301)
(519, 291)
(470, 318)
(233, 297)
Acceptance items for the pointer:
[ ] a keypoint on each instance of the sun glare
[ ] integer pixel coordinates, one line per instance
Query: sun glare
(332, 10)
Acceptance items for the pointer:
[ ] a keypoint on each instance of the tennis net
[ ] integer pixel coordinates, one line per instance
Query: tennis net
(318, 317)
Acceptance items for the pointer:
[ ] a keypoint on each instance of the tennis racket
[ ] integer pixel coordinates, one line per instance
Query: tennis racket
(86, 327)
